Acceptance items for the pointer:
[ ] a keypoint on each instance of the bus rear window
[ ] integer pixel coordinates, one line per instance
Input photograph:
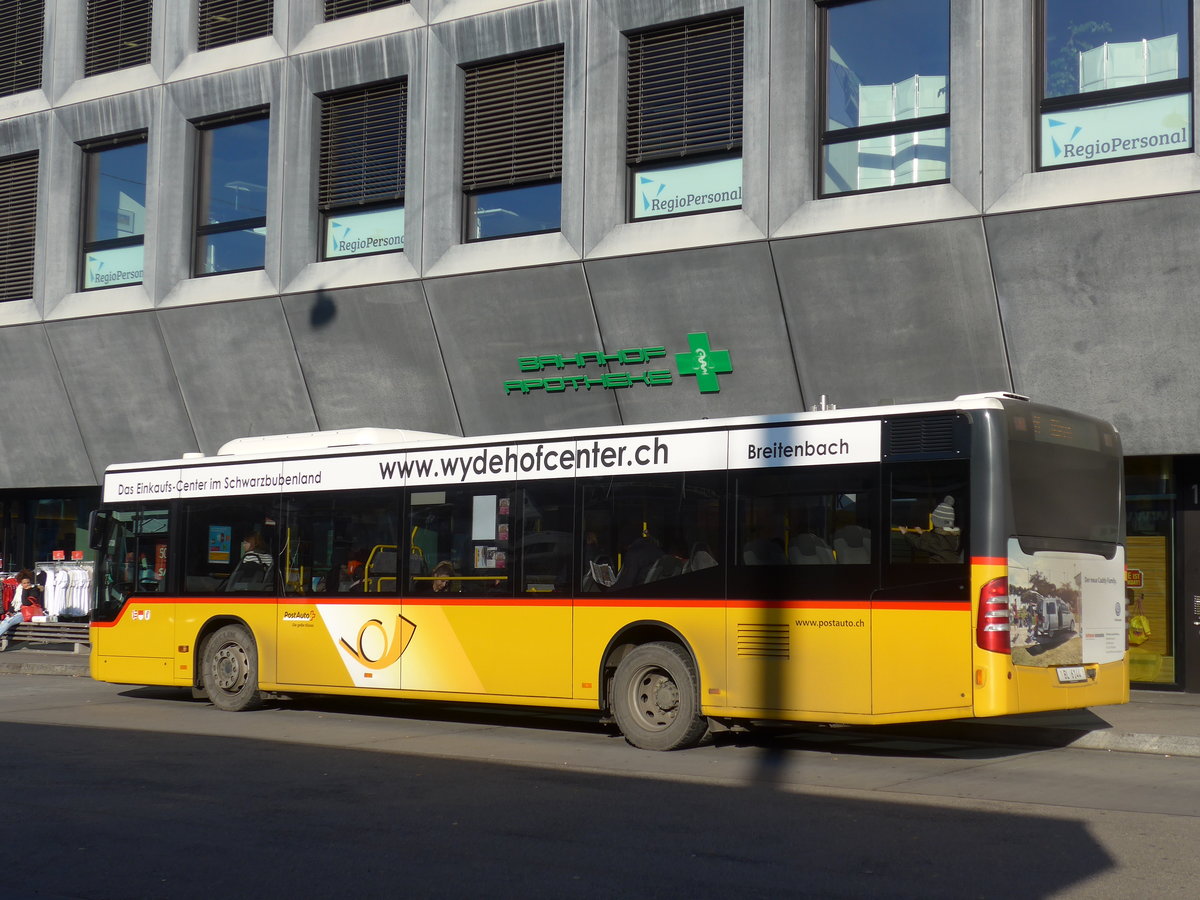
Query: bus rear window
(1064, 492)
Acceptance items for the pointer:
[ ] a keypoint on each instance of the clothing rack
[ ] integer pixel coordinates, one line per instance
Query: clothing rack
(66, 586)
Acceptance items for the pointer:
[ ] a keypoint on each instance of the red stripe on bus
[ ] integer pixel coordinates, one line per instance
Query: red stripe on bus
(989, 560)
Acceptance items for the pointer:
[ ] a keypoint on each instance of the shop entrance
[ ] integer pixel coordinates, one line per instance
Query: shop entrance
(1188, 469)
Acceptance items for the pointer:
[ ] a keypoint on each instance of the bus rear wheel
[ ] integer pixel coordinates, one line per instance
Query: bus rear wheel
(655, 699)
(230, 669)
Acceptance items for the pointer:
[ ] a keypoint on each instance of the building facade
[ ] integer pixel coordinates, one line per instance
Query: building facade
(224, 218)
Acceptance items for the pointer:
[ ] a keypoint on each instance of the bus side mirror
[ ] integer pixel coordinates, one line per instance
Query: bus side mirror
(97, 528)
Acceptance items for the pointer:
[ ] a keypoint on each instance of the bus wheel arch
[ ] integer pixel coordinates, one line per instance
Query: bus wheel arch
(650, 683)
(228, 665)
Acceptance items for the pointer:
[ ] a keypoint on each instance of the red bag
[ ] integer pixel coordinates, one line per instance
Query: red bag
(31, 609)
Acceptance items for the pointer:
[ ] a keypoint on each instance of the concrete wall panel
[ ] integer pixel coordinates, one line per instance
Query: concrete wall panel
(484, 322)
(40, 441)
(370, 358)
(900, 314)
(1099, 313)
(237, 370)
(729, 292)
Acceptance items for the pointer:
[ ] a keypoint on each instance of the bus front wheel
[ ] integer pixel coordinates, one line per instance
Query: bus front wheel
(230, 669)
(655, 699)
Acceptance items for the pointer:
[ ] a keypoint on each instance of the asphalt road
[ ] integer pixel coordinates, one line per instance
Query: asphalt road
(138, 792)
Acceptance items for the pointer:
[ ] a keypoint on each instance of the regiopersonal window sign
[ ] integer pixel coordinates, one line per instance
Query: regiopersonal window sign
(688, 188)
(361, 233)
(1116, 81)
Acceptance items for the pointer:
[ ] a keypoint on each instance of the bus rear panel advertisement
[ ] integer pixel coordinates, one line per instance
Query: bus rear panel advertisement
(906, 563)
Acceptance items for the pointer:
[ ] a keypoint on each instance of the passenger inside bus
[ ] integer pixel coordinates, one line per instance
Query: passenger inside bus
(255, 571)
(942, 542)
(641, 553)
(444, 578)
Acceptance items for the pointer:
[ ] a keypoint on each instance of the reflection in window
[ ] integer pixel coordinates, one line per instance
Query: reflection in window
(512, 146)
(530, 209)
(232, 204)
(1116, 82)
(887, 95)
(115, 230)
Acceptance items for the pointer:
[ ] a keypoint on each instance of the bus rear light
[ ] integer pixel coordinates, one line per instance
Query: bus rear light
(992, 629)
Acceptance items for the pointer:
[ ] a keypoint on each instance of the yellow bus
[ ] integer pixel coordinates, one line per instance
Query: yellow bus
(845, 566)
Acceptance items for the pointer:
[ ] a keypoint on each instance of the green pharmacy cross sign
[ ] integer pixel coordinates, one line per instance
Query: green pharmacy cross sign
(701, 361)
(704, 362)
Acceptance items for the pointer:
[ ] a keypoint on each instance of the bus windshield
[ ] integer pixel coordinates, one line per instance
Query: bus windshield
(132, 559)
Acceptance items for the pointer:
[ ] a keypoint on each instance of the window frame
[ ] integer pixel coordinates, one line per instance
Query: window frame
(353, 7)
(368, 200)
(481, 178)
(92, 151)
(15, 78)
(110, 54)
(261, 23)
(1044, 105)
(203, 199)
(827, 137)
(18, 235)
(642, 159)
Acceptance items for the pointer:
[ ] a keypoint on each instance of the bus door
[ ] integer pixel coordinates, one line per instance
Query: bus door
(804, 556)
(340, 621)
(488, 589)
(922, 634)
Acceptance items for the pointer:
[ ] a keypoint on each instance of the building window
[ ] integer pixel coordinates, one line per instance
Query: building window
(18, 222)
(683, 139)
(886, 98)
(224, 22)
(117, 35)
(231, 227)
(339, 9)
(1116, 80)
(361, 192)
(21, 45)
(115, 228)
(512, 146)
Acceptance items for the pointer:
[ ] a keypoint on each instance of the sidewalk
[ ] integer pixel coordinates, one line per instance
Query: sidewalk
(1162, 722)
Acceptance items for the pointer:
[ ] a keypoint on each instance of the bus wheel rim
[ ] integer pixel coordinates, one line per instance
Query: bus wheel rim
(230, 667)
(655, 698)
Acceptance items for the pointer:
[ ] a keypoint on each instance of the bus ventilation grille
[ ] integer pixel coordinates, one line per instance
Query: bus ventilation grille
(926, 434)
(770, 641)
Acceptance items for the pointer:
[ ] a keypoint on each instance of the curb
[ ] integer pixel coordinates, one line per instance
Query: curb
(1107, 740)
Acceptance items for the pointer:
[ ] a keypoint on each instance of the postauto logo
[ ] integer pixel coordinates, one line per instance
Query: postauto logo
(561, 372)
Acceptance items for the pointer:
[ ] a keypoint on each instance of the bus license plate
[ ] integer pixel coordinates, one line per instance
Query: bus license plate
(1071, 674)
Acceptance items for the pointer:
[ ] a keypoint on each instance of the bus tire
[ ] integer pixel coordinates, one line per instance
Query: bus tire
(655, 698)
(230, 669)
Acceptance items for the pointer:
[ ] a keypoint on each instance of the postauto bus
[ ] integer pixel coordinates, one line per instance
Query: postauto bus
(843, 566)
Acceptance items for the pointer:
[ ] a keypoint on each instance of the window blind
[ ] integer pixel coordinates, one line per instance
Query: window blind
(685, 89)
(362, 145)
(513, 121)
(21, 45)
(117, 35)
(230, 21)
(18, 223)
(339, 9)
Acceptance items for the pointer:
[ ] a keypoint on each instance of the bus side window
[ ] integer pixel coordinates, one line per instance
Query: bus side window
(928, 512)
